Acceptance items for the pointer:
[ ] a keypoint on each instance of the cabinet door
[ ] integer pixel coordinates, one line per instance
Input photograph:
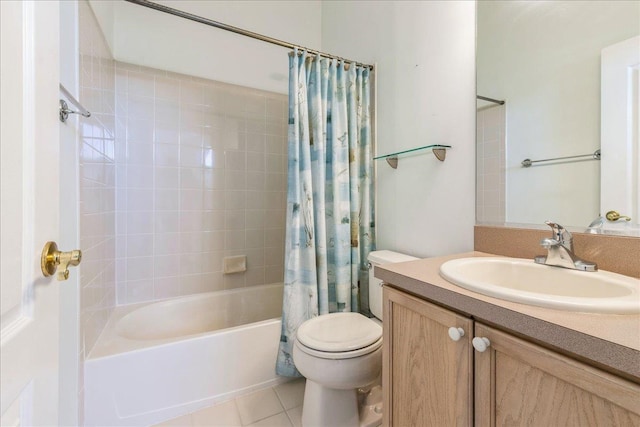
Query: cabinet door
(427, 377)
(523, 384)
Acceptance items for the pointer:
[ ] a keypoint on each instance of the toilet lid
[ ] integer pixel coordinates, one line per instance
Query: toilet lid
(339, 332)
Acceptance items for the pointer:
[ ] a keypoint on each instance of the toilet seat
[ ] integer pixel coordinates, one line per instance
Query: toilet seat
(339, 336)
(336, 355)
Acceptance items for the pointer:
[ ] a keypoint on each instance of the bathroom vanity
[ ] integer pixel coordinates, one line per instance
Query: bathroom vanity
(530, 365)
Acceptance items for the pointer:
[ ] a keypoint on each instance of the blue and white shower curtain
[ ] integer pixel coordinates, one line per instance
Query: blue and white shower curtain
(330, 215)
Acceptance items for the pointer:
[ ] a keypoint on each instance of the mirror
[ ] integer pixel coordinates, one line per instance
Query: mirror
(543, 58)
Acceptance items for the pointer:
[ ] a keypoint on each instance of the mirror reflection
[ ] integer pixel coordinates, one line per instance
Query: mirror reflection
(566, 71)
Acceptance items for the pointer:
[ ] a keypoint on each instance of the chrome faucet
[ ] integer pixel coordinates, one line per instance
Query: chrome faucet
(560, 251)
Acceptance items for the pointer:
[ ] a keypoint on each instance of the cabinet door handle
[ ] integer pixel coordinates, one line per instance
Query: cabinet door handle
(481, 343)
(456, 333)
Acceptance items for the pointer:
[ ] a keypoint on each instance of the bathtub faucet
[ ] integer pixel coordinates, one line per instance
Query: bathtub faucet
(560, 251)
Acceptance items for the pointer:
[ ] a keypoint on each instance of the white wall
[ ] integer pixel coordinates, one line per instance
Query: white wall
(544, 59)
(425, 53)
(170, 43)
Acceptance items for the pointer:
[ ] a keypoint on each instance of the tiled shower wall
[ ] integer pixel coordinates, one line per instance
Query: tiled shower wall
(97, 171)
(201, 174)
(490, 166)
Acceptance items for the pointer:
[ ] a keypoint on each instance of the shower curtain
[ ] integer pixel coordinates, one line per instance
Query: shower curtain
(330, 215)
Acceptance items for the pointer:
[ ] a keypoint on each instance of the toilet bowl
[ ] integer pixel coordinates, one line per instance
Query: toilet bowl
(340, 353)
(336, 366)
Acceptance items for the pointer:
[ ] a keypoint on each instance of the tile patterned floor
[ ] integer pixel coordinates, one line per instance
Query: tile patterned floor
(278, 406)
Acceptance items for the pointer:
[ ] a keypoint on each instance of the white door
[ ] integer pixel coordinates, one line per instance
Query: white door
(620, 129)
(29, 37)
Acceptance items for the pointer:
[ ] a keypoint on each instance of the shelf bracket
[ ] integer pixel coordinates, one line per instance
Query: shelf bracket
(440, 153)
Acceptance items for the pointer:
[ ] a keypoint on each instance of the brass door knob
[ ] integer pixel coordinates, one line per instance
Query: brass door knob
(52, 258)
(614, 216)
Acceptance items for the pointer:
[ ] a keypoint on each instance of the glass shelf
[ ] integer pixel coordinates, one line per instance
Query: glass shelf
(440, 151)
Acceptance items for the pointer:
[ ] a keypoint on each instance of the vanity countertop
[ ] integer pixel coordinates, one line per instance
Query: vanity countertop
(609, 341)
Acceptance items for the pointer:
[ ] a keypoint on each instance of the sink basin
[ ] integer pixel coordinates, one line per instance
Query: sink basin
(523, 281)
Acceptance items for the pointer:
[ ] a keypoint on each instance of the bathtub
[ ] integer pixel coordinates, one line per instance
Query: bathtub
(156, 361)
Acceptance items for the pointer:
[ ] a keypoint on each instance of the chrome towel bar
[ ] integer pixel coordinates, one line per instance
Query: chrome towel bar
(64, 108)
(594, 156)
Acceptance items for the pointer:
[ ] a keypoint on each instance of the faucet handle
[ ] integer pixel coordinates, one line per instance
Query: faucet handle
(561, 234)
(558, 230)
(554, 226)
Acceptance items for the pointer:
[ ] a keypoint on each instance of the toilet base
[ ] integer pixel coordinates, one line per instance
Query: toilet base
(370, 406)
(343, 406)
(348, 408)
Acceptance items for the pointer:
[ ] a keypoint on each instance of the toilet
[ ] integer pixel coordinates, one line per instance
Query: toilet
(338, 354)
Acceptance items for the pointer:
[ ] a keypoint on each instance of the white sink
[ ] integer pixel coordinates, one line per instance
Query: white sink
(523, 281)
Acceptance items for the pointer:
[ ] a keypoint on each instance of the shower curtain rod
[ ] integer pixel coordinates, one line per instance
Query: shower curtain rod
(222, 26)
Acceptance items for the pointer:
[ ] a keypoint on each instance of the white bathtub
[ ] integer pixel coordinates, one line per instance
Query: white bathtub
(156, 361)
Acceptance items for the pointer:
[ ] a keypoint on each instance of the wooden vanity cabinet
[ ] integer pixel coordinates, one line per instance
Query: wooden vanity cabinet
(427, 376)
(431, 380)
(521, 383)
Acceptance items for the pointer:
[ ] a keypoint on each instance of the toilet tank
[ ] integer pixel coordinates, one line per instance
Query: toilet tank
(375, 285)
